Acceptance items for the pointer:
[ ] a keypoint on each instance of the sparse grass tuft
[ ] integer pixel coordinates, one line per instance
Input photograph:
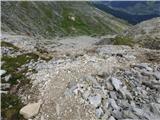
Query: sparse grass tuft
(123, 40)
(7, 44)
(11, 104)
(12, 64)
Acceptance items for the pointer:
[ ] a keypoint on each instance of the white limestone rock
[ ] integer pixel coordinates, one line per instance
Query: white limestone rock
(116, 83)
(30, 110)
(2, 72)
(95, 100)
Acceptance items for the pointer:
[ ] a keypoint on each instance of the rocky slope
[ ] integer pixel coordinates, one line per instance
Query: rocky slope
(50, 19)
(44, 77)
(146, 33)
(56, 79)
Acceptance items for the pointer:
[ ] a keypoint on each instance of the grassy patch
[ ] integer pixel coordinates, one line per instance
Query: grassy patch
(81, 25)
(24, 4)
(7, 44)
(48, 11)
(11, 103)
(73, 26)
(10, 107)
(123, 40)
(12, 64)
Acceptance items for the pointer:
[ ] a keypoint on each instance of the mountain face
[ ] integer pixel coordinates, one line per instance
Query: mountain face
(146, 33)
(49, 19)
(79, 76)
(132, 11)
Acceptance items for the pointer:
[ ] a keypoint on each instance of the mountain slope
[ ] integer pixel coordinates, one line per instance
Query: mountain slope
(50, 19)
(146, 33)
(132, 11)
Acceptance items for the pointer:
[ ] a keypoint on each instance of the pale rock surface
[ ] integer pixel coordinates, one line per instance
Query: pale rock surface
(30, 110)
(2, 72)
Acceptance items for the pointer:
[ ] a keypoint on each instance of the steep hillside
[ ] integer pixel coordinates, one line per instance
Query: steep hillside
(131, 11)
(50, 19)
(77, 76)
(146, 33)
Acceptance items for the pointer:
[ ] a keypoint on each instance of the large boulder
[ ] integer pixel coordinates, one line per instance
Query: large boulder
(30, 110)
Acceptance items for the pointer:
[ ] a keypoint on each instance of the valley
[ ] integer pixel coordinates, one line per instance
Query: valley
(62, 62)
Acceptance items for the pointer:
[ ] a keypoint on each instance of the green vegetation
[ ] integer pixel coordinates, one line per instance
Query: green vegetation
(81, 25)
(12, 64)
(24, 4)
(11, 103)
(10, 107)
(73, 26)
(47, 11)
(123, 40)
(7, 44)
(50, 19)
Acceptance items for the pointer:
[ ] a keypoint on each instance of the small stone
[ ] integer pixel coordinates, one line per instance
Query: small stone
(156, 75)
(30, 110)
(141, 113)
(109, 86)
(123, 103)
(42, 117)
(155, 107)
(7, 78)
(93, 81)
(144, 66)
(5, 92)
(105, 116)
(95, 100)
(101, 73)
(117, 114)
(113, 103)
(111, 118)
(158, 100)
(68, 93)
(2, 72)
(86, 94)
(99, 112)
(129, 114)
(116, 83)
(5, 86)
(113, 95)
(125, 93)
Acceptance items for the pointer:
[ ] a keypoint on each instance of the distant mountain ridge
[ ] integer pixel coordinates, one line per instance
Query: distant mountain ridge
(50, 19)
(131, 11)
(146, 33)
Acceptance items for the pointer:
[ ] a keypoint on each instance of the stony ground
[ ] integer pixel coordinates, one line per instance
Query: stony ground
(78, 79)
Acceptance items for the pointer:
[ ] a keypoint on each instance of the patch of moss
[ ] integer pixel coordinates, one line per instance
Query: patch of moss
(10, 107)
(11, 103)
(7, 44)
(12, 64)
(48, 11)
(123, 40)
(24, 4)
